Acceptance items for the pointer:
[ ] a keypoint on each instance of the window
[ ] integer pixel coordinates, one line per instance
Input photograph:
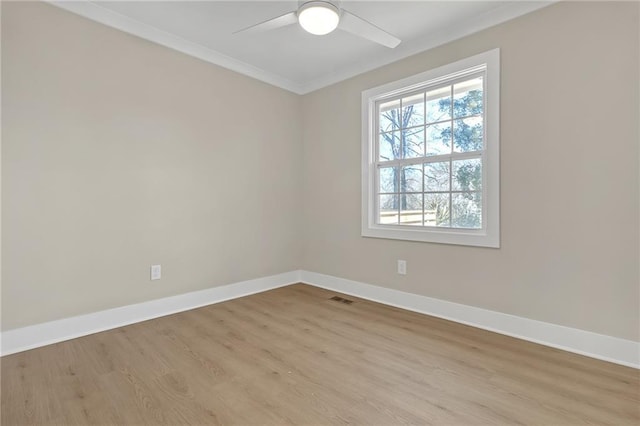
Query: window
(431, 155)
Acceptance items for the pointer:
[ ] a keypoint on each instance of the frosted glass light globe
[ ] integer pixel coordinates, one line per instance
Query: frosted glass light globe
(318, 17)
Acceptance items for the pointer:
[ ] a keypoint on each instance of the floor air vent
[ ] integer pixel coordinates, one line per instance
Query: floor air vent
(341, 299)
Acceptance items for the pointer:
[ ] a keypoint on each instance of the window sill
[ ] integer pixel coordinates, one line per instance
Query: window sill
(465, 237)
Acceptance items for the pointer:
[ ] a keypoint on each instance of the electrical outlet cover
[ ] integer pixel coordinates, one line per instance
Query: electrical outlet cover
(156, 272)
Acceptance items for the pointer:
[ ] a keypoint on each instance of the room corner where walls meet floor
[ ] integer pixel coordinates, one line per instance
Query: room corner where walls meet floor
(606, 348)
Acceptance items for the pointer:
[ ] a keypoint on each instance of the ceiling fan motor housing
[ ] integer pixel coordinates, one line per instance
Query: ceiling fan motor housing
(318, 17)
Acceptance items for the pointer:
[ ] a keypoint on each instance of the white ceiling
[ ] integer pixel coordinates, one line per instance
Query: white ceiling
(289, 57)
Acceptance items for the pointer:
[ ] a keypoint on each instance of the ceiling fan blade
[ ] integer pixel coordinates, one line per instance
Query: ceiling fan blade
(271, 24)
(358, 26)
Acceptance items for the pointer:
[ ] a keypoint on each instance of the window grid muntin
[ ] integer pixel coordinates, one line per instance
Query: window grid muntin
(449, 193)
(450, 157)
(430, 123)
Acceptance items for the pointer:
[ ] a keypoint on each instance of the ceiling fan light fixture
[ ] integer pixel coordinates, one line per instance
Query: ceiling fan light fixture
(318, 17)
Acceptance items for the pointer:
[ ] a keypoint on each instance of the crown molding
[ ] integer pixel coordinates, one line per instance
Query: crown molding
(95, 12)
(404, 50)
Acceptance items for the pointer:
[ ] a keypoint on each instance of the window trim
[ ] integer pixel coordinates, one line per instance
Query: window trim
(489, 235)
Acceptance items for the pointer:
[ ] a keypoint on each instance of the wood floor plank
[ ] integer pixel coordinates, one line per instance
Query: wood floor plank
(293, 356)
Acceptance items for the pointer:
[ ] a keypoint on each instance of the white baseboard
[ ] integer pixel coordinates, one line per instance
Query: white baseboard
(607, 348)
(22, 339)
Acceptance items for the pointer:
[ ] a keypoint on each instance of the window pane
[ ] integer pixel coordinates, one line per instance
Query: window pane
(389, 146)
(467, 134)
(466, 210)
(436, 176)
(389, 116)
(388, 179)
(413, 110)
(439, 104)
(467, 175)
(411, 209)
(467, 98)
(439, 138)
(388, 209)
(411, 178)
(436, 209)
(413, 142)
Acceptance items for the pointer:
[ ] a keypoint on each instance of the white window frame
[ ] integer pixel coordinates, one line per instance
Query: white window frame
(489, 234)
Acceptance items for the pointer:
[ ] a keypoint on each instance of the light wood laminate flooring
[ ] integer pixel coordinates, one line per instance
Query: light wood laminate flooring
(293, 356)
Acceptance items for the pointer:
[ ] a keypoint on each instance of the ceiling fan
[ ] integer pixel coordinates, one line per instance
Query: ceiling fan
(322, 17)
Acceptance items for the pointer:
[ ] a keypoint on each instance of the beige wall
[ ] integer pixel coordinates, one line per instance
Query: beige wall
(118, 154)
(569, 176)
